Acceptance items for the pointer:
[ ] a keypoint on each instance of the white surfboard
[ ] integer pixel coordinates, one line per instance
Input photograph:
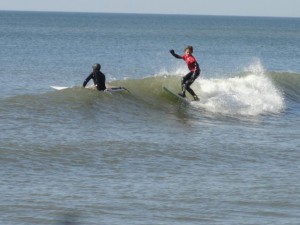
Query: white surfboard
(58, 87)
(109, 89)
(177, 95)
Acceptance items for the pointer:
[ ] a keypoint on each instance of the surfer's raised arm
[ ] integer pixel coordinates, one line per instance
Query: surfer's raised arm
(175, 55)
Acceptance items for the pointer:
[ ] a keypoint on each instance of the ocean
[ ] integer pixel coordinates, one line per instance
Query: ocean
(79, 156)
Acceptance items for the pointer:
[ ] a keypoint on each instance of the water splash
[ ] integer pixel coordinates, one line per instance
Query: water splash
(250, 94)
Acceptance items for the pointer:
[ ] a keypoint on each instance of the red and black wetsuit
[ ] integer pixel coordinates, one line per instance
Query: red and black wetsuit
(191, 62)
(194, 73)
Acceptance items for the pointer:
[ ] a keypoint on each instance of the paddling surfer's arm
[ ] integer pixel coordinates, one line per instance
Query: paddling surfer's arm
(175, 55)
(87, 79)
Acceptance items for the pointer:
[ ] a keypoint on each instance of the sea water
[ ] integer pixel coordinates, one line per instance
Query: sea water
(80, 156)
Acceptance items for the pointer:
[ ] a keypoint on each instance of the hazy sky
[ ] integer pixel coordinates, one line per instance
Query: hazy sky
(281, 8)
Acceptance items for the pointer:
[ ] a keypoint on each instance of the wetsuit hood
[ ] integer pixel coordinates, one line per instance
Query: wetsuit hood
(96, 66)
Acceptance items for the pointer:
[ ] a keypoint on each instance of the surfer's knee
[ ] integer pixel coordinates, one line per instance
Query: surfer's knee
(182, 81)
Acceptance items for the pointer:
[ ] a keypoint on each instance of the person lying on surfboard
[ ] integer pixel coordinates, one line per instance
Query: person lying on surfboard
(194, 73)
(97, 76)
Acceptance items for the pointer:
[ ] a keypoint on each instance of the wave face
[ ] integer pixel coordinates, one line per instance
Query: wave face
(246, 94)
(289, 83)
(249, 93)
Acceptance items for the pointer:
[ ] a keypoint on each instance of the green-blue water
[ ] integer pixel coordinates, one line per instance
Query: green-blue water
(143, 157)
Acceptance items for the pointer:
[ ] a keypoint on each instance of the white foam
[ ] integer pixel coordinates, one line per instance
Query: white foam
(252, 94)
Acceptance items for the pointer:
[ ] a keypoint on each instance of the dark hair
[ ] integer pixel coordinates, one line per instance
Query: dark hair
(190, 48)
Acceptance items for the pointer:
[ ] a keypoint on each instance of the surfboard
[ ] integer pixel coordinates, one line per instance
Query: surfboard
(177, 95)
(58, 87)
(109, 89)
(116, 89)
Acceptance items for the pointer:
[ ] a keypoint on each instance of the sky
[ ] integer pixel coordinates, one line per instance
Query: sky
(274, 8)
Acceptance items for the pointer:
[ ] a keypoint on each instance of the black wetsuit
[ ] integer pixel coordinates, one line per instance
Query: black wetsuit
(98, 78)
(188, 79)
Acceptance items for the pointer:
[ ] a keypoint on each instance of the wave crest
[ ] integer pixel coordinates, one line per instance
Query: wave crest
(246, 95)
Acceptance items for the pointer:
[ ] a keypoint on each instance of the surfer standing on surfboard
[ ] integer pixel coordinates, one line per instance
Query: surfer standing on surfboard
(194, 73)
(97, 76)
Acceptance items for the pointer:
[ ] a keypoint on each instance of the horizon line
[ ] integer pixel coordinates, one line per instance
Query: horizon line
(146, 13)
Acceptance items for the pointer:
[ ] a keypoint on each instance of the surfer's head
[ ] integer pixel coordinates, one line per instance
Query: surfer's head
(96, 66)
(188, 50)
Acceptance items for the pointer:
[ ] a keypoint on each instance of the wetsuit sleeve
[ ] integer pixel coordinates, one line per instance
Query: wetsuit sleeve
(87, 79)
(175, 55)
(197, 66)
(196, 72)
